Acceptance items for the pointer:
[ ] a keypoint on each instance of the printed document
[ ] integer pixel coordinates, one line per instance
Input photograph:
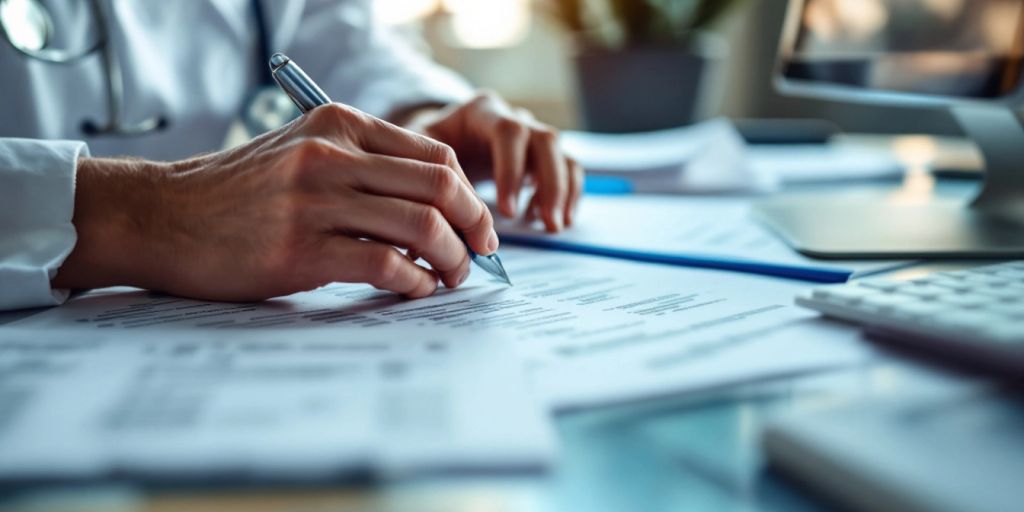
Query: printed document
(276, 405)
(650, 329)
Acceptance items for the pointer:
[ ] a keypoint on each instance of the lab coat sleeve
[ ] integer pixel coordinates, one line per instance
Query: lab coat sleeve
(366, 64)
(37, 198)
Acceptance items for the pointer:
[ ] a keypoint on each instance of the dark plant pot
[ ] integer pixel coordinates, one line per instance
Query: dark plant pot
(645, 88)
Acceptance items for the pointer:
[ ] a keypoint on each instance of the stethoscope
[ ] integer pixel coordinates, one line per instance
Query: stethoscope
(28, 26)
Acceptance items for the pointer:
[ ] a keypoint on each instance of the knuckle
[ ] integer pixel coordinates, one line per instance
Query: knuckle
(545, 135)
(380, 265)
(321, 114)
(311, 148)
(430, 225)
(449, 154)
(322, 148)
(387, 266)
(304, 155)
(444, 184)
(509, 128)
(332, 112)
(485, 222)
(441, 153)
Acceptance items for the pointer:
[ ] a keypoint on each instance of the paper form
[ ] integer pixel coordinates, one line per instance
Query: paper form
(711, 227)
(564, 310)
(768, 349)
(200, 405)
(709, 157)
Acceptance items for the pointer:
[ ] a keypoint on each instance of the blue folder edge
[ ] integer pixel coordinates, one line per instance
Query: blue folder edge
(803, 273)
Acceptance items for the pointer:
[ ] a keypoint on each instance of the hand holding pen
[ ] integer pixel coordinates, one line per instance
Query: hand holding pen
(324, 199)
(307, 96)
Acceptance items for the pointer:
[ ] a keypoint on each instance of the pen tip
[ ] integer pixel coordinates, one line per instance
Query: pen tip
(277, 60)
(499, 269)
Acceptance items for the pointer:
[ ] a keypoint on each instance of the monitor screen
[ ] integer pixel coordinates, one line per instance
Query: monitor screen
(962, 48)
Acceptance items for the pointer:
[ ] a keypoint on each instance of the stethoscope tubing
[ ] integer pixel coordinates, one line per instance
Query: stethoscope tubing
(114, 86)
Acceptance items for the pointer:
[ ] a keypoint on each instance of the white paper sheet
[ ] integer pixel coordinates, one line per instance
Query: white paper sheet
(744, 352)
(279, 405)
(564, 310)
(714, 227)
(704, 158)
(825, 163)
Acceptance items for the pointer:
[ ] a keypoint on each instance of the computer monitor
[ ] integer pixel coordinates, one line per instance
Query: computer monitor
(964, 55)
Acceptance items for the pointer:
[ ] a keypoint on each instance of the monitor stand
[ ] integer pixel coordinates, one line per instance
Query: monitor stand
(890, 226)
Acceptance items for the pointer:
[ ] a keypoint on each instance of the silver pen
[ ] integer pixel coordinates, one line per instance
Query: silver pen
(307, 95)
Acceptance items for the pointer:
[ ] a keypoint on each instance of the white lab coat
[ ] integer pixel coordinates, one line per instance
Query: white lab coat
(192, 61)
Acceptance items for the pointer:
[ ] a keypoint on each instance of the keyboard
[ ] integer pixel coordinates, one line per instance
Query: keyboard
(974, 315)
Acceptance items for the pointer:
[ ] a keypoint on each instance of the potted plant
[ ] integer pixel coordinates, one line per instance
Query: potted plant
(645, 64)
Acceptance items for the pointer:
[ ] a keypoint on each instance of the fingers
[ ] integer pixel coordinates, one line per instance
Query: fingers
(418, 227)
(552, 177)
(380, 265)
(335, 204)
(532, 210)
(509, 144)
(434, 185)
(375, 135)
(546, 161)
(576, 182)
(508, 136)
(521, 147)
(318, 161)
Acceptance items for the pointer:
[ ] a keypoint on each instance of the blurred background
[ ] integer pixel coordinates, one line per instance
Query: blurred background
(633, 65)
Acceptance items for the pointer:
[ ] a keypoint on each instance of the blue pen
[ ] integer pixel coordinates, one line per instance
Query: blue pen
(306, 95)
(736, 264)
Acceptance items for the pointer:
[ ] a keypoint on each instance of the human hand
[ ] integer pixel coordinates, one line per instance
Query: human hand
(486, 133)
(324, 199)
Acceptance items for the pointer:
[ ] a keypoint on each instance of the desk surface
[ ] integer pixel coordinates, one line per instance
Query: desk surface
(695, 452)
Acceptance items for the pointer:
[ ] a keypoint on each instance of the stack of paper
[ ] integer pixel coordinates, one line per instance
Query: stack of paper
(590, 330)
(710, 157)
(348, 379)
(197, 406)
(825, 163)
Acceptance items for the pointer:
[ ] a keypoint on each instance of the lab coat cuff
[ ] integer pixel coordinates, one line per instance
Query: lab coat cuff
(38, 235)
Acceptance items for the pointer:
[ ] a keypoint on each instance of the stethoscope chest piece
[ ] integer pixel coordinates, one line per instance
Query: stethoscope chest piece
(267, 109)
(27, 24)
(29, 27)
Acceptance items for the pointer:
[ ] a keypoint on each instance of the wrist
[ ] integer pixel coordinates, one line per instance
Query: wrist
(115, 201)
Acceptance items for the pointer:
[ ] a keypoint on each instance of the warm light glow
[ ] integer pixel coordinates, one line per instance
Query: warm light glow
(401, 12)
(857, 19)
(918, 153)
(999, 24)
(489, 23)
(862, 18)
(915, 150)
(455, 6)
(948, 10)
(820, 21)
